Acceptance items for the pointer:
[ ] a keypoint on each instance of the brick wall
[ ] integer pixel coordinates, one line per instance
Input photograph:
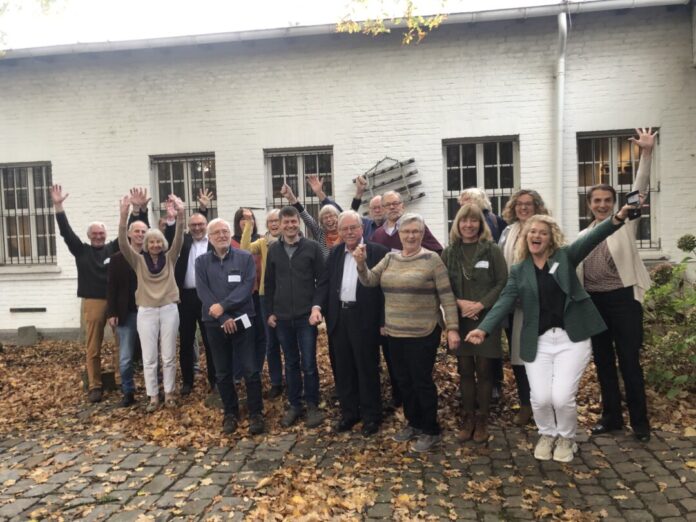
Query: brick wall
(99, 117)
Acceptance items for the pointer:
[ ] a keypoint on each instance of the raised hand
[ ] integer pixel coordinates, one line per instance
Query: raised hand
(58, 197)
(288, 194)
(124, 206)
(645, 140)
(139, 198)
(178, 204)
(316, 183)
(359, 255)
(360, 186)
(171, 210)
(205, 196)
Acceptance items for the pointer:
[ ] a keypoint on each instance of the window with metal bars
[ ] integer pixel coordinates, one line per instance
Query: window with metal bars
(184, 176)
(27, 227)
(293, 167)
(490, 164)
(609, 157)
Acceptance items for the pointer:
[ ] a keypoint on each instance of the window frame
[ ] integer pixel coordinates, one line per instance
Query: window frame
(584, 216)
(46, 212)
(501, 195)
(191, 187)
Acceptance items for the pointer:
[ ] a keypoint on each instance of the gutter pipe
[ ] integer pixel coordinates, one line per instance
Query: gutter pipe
(559, 117)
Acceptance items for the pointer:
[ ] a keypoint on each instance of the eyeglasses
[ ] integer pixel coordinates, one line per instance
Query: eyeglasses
(392, 204)
(222, 232)
(351, 228)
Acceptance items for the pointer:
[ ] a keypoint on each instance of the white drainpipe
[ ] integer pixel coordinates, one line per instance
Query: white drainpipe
(559, 119)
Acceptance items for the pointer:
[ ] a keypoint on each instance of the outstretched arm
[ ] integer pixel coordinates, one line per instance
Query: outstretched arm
(74, 243)
(126, 249)
(646, 142)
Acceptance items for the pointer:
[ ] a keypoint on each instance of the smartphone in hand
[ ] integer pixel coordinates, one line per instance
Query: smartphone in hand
(633, 199)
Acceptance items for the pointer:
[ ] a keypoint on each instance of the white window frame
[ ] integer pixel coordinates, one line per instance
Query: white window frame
(303, 193)
(649, 212)
(33, 212)
(189, 162)
(497, 194)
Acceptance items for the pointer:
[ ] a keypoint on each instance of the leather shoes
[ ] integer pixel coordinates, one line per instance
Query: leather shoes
(369, 428)
(345, 425)
(600, 428)
(642, 436)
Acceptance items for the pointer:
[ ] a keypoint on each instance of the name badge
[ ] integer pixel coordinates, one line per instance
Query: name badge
(107, 261)
(481, 264)
(234, 278)
(553, 268)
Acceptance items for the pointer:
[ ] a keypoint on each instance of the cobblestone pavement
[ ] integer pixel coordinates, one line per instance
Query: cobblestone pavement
(43, 475)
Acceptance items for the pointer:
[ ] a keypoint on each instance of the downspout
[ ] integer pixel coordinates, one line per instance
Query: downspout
(559, 118)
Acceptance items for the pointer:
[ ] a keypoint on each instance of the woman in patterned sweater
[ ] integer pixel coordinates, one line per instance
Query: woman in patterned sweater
(415, 286)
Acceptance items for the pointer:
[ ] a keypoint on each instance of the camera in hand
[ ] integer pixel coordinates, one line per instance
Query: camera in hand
(633, 199)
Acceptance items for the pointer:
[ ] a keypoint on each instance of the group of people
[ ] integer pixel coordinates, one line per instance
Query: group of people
(377, 281)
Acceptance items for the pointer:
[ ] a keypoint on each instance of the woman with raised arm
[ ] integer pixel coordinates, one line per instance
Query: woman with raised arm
(156, 297)
(559, 319)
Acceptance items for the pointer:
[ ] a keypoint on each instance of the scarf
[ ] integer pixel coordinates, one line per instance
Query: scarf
(458, 265)
(154, 269)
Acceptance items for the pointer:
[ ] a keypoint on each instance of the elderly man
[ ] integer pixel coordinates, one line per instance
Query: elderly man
(91, 260)
(376, 212)
(354, 315)
(195, 244)
(225, 280)
(122, 312)
(615, 277)
(387, 234)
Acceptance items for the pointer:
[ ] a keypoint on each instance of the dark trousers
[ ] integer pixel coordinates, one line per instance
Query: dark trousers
(273, 358)
(259, 343)
(475, 382)
(521, 381)
(414, 359)
(190, 316)
(224, 347)
(396, 397)
(623, 339)
(356, 354)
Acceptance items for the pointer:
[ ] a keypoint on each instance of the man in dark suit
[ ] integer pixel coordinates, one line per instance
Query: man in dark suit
(195, 244)
(354, 315)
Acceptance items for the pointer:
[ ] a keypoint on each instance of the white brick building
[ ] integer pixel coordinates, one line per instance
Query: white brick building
(474, 98)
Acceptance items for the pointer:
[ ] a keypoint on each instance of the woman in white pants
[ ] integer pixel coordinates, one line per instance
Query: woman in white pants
(559, 319)
(156, 296)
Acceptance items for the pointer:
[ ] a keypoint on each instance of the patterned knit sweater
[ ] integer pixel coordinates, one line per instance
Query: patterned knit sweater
(414, 289)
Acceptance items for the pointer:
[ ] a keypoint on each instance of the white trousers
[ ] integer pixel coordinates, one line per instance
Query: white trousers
(554, 377)
(158, 325)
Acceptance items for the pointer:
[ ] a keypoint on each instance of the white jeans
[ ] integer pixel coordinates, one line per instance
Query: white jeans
(554, 377)
(158, 324)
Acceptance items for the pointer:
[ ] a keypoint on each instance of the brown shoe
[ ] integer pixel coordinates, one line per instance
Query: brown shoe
(468, 424)
(481, 430)
(524, 415)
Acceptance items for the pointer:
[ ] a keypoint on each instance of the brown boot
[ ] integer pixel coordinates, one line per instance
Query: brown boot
(481, 430)
(523, 416)
(468, 425)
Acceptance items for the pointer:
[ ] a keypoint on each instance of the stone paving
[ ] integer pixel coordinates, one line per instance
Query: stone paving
(44, 476)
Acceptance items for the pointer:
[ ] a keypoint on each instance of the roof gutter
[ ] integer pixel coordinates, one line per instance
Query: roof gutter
(587, 6)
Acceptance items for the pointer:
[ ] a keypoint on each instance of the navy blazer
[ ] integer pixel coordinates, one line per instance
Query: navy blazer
(327, 295)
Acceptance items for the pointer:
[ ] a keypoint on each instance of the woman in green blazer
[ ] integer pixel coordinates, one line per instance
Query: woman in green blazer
(559, 319)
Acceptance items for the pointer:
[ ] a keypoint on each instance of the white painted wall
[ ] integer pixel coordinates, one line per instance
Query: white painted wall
(98, 118)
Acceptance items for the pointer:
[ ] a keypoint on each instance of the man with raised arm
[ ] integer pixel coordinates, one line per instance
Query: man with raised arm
(91, 260)
(376, 213)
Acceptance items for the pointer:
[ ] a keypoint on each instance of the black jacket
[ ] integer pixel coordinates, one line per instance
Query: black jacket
(290, 283)
(182, 263)
(328, 293)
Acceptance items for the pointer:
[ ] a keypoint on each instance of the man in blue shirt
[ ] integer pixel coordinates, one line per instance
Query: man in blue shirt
(225, 280)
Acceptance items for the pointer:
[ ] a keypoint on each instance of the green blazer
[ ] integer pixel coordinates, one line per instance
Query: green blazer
(580, 317)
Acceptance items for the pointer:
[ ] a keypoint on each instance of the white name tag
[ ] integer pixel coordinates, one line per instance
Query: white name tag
(246, 322)
(107, 261)
(481, 264)
(234, 278)
(553, 268)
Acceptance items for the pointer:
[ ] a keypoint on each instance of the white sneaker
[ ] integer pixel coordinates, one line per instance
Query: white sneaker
(565, 450)
(544, 448)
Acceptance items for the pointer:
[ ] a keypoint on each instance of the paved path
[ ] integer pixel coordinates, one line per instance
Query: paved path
(42, 475)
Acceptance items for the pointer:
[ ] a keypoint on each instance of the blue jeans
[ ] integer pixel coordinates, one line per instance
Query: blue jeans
(275, 363)
(299, 341)
(126, 346)
(228, 350)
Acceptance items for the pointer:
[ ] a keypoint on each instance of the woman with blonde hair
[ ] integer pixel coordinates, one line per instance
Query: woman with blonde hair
(522, 205)
(477, 274)
(559, 319)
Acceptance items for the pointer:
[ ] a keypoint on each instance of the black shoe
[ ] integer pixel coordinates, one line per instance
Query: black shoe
(291, 416)
(344, 425)
(127, 400)
(314, 417)
(642, 436)
(275, 391)
(256, 425)
(229, 424)
(600, 428)
(94, 395)
(186, 389)
(369, 428)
